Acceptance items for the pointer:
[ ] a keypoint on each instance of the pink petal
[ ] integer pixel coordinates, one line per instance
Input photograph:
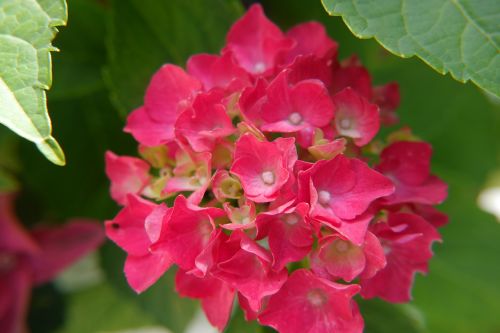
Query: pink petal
(205, 122)
(352, 74)
(387, 98)
(168, 89)
(307, 303)
(15, 291)
(355, 117)
(342, 188)
(251, 101)
(127, 229)
(261, 167)
(311, 38)
(216, 296)
(408, 165)
(248, 271)
(340, 258)
(289, 236)
(13, 237)
(63, 245)
(218, 72)
(291, 109)
(145, 130)
(143, 271)
(256, 42)
(128, 175)
(186, 232)
(407, 240)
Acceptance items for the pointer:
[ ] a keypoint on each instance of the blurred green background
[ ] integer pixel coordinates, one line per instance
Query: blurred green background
(109, 51)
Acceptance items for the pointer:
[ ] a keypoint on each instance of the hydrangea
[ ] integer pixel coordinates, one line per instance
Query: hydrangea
(261, 179)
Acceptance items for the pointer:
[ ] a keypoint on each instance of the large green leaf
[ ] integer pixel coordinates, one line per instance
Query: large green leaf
(461, 37)
(27, 28)
(144, 34)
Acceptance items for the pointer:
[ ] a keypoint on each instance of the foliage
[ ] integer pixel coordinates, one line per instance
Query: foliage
(26, 30)
(456, 36)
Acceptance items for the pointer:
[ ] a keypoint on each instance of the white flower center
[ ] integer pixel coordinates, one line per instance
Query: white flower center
(345, 123)
(295, 118)
(259, 67)
(324, 198)
(291, 219)
(7, 261)
(317, 297)
(267, 177)
(341, 245)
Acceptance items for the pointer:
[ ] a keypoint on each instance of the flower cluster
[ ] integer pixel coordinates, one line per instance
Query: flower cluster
(267, 149)
(29, 259)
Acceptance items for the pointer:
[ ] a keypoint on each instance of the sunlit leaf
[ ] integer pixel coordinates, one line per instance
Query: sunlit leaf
(27, 28)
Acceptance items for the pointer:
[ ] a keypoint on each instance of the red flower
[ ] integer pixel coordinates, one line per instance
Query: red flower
(262, 167)
(307, 303)
(257, 44)
(408, 166)
(407, 240)
(271, 141)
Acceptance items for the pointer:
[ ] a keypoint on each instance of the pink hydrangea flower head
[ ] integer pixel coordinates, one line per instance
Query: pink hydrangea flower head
(355, 117)
(307, 303)
(268, 151)
(261, 166)
(257, 44)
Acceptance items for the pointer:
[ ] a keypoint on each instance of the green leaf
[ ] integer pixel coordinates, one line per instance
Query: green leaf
(102, 309)
(461, 37)
(384, 317)
(27, 28)
(144, 34)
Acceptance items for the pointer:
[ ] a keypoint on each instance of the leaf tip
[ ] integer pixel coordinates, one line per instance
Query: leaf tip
(52, 151)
